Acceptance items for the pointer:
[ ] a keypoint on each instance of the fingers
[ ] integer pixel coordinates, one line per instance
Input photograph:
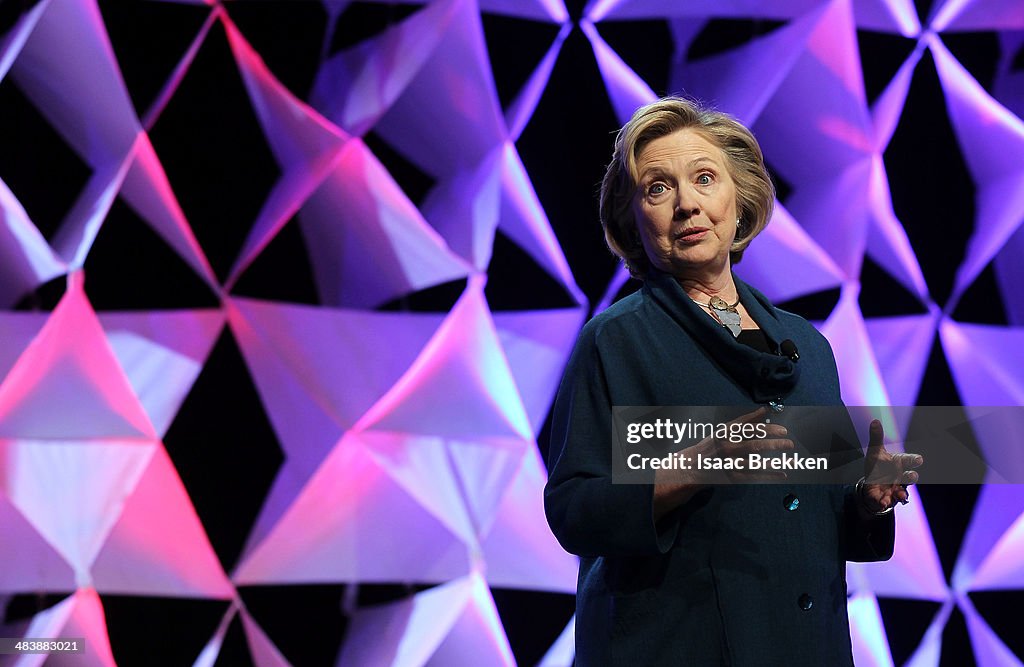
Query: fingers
(875, 434)
(886, 495)
(908, 461)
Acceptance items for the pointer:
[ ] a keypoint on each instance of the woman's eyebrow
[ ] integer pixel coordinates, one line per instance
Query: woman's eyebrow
(658, 172)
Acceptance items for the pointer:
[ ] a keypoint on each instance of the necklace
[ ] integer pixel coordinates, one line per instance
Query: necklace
(724, 312)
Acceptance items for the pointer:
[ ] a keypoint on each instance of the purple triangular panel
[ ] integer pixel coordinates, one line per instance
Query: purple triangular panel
(521, 110)
(524, 221)
(563, 652)
(26, 260)
(1008, 82)
(425, 468)
(324, 348)
(485, 469)
(914, 571)
(477, 636)
(406, 632)
(626, 90)
(1003, 568)
(295, 132)
(859, 374)
(47, 623)
(902, 346)
(464, 209)
(299, 405)
(33, 565)
(299, 357)
(898, 16)
(356, 87)
(867, 633)
(68, 384)
(618, 280)
(992, 141)
(263, 651)
(292, 477)
(148, 192)
(888, 107)
(368, 243)
(348, 543)
(211, 651)
(989, 649)
(887, 241)
(929, 651)
(553, 11)
(67, 69)
(537, 345)
(158, 546)
(824, 149)
(461, 386)
(162, 354)
(832, 208)
(998, 430)
(449, 114)
(16, 331)
(304, 143)
(987, 362)
(975, 15)
(684, 33)
(289, 193)
(784, 262)
(14, 40)
(72, 492)
(82, 223)
(599, 10)
(743, 80)
(1000, 214)
(79, 615)
(1010, 276)
(174, 80)
(998, 508)
(519, 549)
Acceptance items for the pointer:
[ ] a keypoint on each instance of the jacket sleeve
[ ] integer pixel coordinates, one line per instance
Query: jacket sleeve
(867, 538)
(588, 514)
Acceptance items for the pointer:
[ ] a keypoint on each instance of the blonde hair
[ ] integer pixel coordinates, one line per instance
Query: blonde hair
(755, 194)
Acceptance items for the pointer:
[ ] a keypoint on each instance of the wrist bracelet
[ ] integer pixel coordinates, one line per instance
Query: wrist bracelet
(860, 498)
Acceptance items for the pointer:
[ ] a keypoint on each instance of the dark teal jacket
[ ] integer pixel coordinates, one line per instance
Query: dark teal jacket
(733, 577)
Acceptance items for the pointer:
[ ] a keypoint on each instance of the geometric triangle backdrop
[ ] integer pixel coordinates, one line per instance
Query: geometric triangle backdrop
(372, 227)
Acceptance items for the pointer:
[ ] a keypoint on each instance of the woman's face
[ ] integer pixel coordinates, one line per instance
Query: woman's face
(685, 205)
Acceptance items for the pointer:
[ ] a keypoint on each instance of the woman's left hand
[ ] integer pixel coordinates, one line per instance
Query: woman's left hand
(886, 475)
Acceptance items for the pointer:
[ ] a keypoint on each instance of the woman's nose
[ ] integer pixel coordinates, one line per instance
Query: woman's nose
(686, 207)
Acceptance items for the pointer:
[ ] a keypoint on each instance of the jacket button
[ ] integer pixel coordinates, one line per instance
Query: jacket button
(806, 602)
(791, 502)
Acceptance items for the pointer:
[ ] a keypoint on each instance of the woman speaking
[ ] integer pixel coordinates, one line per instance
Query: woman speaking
(678, 571)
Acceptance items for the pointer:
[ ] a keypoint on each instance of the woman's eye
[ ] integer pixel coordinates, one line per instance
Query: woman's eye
(657, 189)
(705, 179)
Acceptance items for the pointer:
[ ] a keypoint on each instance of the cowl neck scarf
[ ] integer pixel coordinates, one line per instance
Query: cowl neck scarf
(766, 376)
